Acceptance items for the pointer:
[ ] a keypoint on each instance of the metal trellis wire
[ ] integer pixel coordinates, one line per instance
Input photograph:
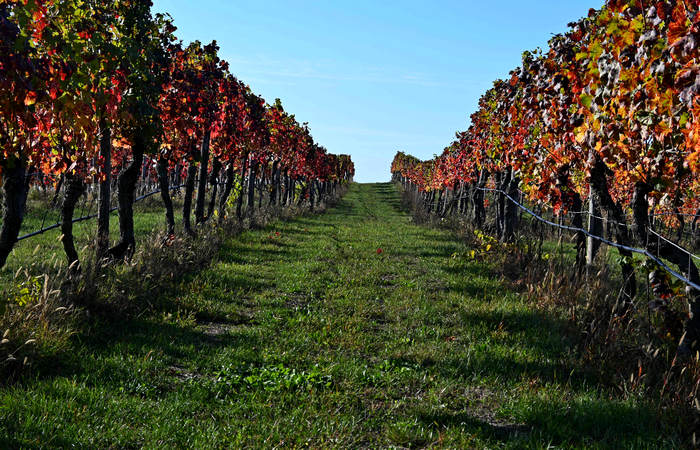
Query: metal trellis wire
(601, 239)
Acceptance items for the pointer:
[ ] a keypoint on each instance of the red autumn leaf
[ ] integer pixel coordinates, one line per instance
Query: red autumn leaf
(30, 98)
(679, 26)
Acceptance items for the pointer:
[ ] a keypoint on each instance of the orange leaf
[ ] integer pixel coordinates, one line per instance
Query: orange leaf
(679, 26)
(30, 99)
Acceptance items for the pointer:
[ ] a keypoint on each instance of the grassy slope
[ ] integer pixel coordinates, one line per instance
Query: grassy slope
(312, 337)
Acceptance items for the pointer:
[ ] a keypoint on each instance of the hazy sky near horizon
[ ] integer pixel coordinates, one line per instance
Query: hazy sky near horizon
(374, 77)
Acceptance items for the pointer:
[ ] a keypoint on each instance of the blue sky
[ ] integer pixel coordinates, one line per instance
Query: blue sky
(374, 77)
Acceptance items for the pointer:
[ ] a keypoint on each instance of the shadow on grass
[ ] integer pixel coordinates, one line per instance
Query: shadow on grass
(433, 251)
(56, 442)
(135, 338)
(171, 339)
(242, 253)
(491, 430)
(593, 422)
(478, 287)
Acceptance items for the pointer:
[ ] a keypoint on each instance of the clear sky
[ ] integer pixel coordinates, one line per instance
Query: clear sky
(374, 77)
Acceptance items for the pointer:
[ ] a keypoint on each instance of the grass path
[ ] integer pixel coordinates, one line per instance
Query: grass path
(304, 334)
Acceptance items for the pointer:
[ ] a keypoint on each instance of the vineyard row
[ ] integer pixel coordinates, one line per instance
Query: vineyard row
(606, 120)
(101, 94)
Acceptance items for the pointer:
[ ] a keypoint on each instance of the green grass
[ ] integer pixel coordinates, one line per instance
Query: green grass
(149, 216)
(302, 334)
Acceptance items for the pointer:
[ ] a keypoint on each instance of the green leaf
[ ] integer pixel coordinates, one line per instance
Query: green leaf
(586, 100)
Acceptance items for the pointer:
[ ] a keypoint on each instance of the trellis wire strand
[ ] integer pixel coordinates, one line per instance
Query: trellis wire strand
(91, 216)
(601, 239)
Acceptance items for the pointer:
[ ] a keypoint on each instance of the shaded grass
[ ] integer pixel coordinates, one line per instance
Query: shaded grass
(302, 333)
(149, 216)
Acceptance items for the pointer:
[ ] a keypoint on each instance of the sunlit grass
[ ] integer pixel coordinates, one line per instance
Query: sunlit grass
(303, 334)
